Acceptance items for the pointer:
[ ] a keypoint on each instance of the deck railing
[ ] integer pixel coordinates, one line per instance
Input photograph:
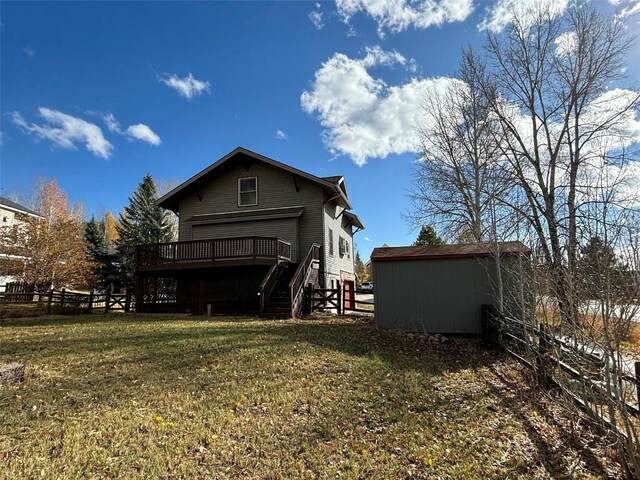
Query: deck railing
(300, 277)
(174, 254)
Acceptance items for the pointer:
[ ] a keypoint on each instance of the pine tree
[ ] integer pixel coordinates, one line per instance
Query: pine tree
(96, 241)
(428, 236)
(599, 269)
(142, 221)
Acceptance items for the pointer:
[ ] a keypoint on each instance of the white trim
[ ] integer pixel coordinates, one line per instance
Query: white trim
(250, 191)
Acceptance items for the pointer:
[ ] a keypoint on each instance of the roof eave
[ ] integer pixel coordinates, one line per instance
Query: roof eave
(167, 201)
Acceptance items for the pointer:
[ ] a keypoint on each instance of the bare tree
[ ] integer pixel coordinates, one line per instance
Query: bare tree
(456, 176)
(564, 141)
(549, 90)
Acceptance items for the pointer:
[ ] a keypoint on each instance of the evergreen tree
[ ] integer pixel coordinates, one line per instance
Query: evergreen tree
(105, 271)
(142, 221)
(428, 236)
(96, 242)
(599, 269)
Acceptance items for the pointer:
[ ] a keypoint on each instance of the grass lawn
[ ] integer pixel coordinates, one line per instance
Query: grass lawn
(125, 396)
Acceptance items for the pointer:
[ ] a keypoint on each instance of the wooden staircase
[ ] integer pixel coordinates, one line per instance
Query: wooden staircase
(278, 304)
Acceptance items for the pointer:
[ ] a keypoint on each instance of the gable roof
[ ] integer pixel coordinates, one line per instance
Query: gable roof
(434, 252)
(170, 200)
(16, 207)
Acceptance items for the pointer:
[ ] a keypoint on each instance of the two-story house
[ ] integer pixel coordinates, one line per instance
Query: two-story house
(253, 233)
(11, 214)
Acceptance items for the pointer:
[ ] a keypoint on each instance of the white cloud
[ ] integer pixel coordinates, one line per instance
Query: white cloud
(139, 131)
(142, 132)
(280, 135)
(503, 12)
(362, 116)
(317, 18)
(65, 131)
(398, 15)
(566, 43)
(112, 124)
(188, 86)
(631, 7)
(29, 51)
(366, 239)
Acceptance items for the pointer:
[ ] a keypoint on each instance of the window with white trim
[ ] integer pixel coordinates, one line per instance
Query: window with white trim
(247, 191)
(343, 246)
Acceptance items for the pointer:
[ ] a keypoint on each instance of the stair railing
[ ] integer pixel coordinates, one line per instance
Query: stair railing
(299, 279)
(266, 287)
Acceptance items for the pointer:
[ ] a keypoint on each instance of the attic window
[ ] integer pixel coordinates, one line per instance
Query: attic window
(247, 191)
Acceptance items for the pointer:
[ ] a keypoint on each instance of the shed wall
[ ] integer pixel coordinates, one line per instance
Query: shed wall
(434, 296)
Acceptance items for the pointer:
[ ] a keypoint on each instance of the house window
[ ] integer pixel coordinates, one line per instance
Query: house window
(343, 245)
(247, 191)
(330, 242)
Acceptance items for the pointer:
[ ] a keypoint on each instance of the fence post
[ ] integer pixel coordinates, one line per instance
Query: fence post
(339, 302)
(490, 331)
(107, 302)
(49, 302)
(637, 366)
(62, 299)
(90, 307)
(542, 355)
(127, 301)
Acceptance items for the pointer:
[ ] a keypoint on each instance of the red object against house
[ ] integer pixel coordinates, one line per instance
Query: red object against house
(349, 295)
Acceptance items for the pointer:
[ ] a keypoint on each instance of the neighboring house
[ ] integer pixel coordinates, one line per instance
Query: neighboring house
(11, 214)
(253, 232)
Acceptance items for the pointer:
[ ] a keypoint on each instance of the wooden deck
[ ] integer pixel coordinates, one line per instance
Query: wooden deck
(223, 252)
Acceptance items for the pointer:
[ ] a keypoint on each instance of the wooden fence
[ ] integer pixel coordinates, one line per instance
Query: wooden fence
(338, 299)
(64, 302)
(580, 370)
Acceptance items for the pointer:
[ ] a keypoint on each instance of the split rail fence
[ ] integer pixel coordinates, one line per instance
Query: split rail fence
(606, 387)
(65, 302)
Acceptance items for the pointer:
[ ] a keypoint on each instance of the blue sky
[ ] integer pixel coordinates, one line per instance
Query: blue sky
(70, 71)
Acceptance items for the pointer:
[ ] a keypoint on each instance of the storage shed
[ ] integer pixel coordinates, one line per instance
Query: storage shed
(440, 288)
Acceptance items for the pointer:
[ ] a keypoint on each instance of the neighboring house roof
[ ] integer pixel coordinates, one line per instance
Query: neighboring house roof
(16, 207)
(171, 199)
(434, 252)
(260, 214)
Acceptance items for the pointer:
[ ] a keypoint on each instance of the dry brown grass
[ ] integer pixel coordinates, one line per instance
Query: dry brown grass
(125, 396)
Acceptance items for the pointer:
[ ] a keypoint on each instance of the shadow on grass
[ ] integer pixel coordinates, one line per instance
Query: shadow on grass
(161, 340)
(554, 459)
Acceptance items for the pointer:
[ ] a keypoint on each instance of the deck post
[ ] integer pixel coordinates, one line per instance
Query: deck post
(127, 301)
(175, 254)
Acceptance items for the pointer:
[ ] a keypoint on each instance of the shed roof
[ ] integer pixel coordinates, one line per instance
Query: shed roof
(461, 250)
